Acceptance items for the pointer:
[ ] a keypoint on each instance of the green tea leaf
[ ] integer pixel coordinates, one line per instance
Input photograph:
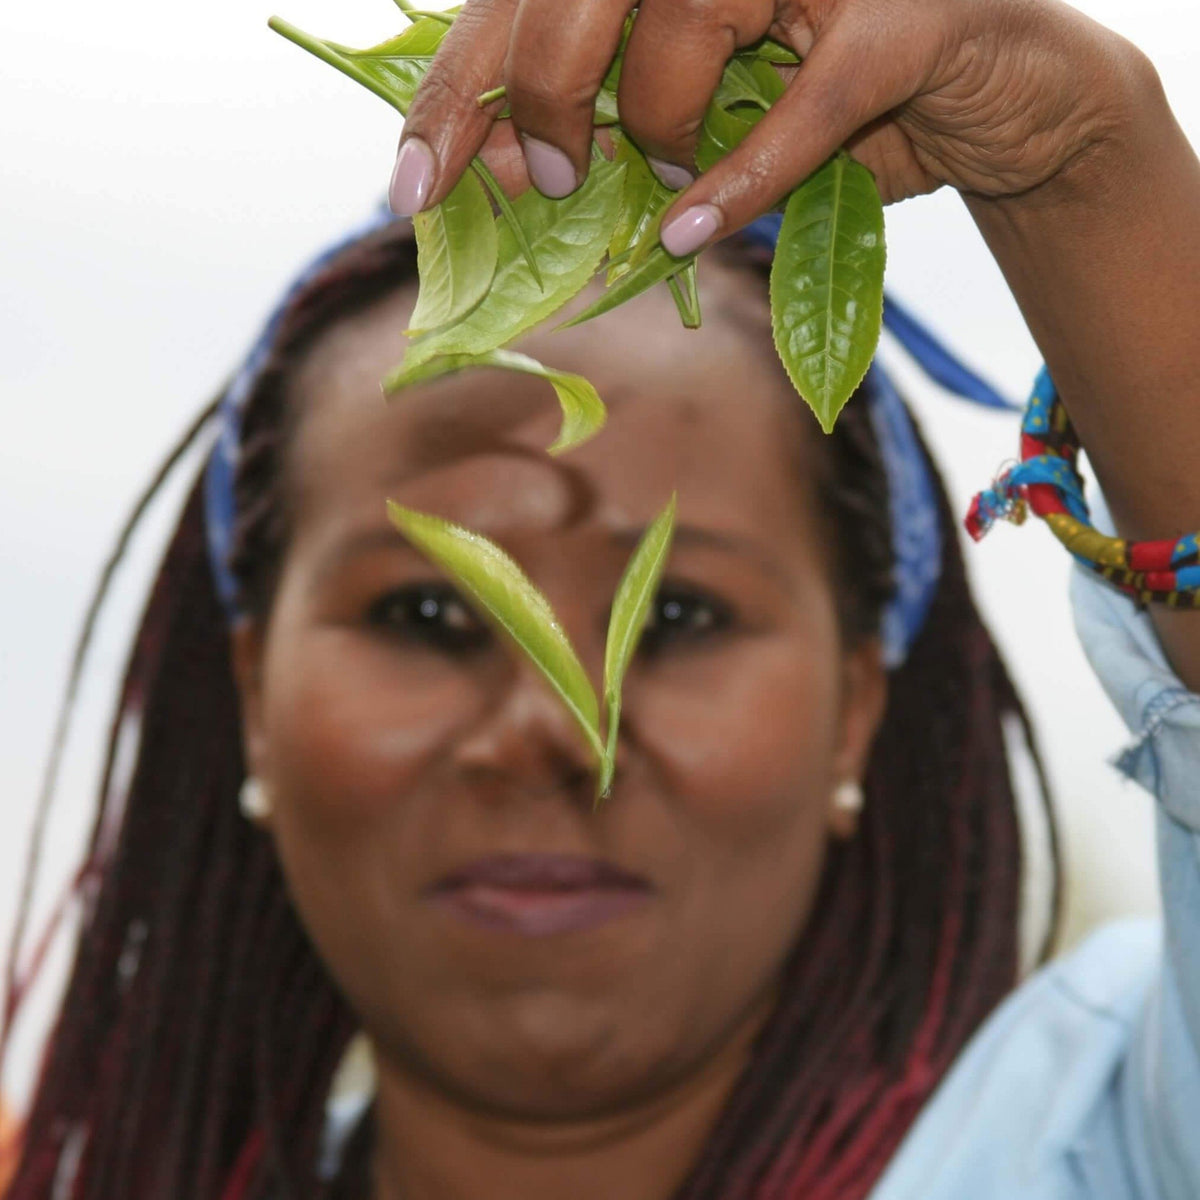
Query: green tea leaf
(457, 246)
(606, 108)
(827, 284)
(504, 204)
(773, 52)
(420, 40)
(503, 593)
(400, 63)
(606, 100)
(770, 82)
(642, 204)
(583, 411)
(392, 70)
(751, 85)
(568, 238)
(748, 80)
(686, 295)
(630, 610)
(721, 132)
(657, 266)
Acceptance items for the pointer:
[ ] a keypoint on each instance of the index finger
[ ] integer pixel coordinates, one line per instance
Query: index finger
(446, 126)
(558, 58)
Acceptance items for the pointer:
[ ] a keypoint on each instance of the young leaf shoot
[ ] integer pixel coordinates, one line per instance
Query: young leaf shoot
(630, 610)
(583, 412)
(503, 593)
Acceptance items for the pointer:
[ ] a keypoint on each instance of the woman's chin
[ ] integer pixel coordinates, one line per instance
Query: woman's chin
(555, 1069)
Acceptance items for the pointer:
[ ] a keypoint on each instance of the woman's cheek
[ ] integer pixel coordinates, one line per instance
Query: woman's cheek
(746, 736)
(354, 722)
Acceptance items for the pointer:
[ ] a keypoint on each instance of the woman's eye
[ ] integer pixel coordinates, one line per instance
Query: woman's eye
(431, 613)
(682, 616)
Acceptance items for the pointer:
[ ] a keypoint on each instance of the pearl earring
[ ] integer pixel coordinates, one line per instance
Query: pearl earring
(848, 797)
(253, 799)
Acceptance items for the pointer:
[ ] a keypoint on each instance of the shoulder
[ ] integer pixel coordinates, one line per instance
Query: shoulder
(1010, 1117)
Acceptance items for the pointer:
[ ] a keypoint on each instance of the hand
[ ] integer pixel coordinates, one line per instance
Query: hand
(993, 97)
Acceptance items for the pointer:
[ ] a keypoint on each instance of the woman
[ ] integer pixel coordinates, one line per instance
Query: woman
(733, 979)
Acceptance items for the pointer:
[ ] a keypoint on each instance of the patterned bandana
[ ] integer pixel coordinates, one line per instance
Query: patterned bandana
(916, 527)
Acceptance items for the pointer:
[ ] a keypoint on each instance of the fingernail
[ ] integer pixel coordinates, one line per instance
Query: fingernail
(671, 174)
(411, 177)
(691, 229)
(551, 171)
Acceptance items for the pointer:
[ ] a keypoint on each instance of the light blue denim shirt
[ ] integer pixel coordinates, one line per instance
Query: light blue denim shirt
(1085, 1083)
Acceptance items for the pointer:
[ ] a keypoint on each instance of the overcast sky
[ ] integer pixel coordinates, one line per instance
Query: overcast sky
(165, 168)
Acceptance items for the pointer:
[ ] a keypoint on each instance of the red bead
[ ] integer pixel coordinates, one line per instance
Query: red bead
(1043, 499)
(1032, 447)
(1151, 556)
(973, 522)
(1160, 581)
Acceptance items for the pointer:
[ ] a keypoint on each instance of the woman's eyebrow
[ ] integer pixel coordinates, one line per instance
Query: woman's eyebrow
(384, 537)
(713, 539)
(365, 541)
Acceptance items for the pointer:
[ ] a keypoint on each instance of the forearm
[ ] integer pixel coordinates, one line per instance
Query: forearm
(1105, 264)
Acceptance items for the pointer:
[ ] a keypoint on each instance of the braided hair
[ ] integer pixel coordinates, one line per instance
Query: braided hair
(199, 1032)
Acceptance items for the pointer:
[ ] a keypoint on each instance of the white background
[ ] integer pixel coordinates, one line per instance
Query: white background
(165, 167)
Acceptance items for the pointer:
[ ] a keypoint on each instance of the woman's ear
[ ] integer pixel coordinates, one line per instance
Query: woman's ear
(864, 699)
(249, 642)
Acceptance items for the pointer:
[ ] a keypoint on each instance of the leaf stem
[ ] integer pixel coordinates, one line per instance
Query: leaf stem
(486, 98)
(685, 295)
(505, 206)
(429, 14)
(608, 757)
(326, 53)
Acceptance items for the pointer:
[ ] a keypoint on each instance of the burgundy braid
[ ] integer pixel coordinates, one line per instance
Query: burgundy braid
(199, 1031)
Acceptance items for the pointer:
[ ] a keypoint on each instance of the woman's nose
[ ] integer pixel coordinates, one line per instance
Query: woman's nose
(528, 737)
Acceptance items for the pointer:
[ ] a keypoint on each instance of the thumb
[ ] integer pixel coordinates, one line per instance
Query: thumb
(846, 81)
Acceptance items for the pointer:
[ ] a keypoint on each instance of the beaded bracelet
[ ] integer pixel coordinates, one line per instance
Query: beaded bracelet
(1047, 481)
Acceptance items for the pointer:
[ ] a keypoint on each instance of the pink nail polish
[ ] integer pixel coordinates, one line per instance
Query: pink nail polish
(412, 177)
(691, 229)
(671, 174)
(550, 170)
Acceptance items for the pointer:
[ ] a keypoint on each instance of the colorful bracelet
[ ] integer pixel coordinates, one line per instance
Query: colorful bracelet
(1047, 481)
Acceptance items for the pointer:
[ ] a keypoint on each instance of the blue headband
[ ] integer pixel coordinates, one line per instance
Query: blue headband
(916, 526)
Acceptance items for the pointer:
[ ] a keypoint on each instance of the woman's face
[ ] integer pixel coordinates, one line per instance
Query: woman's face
(416, 762)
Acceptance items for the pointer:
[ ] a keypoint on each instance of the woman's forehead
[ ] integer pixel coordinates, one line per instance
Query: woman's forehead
(706, 412)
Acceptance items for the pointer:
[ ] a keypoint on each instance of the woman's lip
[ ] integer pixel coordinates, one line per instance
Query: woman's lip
(541, 872)
(540, 894)
(539, 912)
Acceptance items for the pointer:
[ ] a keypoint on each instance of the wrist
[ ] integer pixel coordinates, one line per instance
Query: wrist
(1132, 147)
